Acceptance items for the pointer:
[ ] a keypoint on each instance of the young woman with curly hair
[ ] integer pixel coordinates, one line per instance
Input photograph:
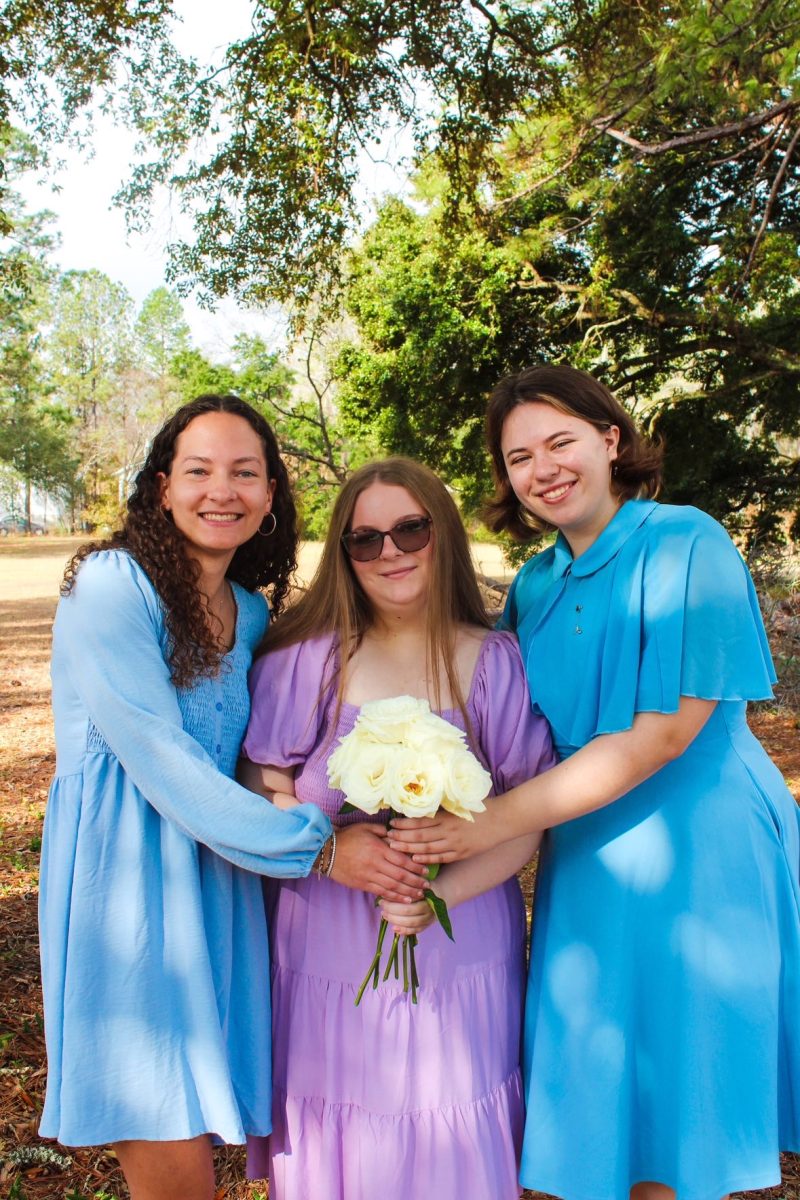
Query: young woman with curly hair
(154, 948)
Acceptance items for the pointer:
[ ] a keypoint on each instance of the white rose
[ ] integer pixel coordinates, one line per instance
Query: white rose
(345, 754)
(466, 784)
(432, 734)
(415, 783)
(389, 720)
(363, 774)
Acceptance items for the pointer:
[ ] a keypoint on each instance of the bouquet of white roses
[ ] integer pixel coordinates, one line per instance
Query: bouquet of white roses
(402, 757)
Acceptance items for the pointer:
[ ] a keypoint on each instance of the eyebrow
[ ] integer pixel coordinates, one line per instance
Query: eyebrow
(410, 517)
(200, 458)
(551, 437)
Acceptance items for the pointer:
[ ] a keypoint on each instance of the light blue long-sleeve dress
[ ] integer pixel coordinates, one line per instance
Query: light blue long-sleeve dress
(153, 938)
(662, 1026)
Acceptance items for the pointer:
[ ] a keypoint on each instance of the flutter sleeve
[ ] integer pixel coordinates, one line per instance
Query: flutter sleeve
(683, 621)
(289, 691)
(514, 742)
(703, 631)
(107, 638)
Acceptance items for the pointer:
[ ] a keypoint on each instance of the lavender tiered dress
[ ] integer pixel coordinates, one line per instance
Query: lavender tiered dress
(391, 1100)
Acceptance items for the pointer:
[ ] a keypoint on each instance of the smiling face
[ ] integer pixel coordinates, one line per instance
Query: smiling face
(559, 467)
(217, 490)
(397, 582)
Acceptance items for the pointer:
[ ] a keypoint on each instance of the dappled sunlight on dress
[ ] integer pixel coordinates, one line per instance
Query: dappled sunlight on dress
(663, 1013)
(154, 953)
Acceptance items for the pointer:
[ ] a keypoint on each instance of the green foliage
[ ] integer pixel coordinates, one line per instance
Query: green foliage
(305, 423)
(34, 430)
(161, 331)
(57, 54)
(639, 220)
(608, 184)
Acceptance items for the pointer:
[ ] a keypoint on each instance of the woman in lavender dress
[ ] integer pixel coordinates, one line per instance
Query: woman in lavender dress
(389, 1099)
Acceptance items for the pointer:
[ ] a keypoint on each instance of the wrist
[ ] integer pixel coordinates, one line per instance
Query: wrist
(323, 863)
(442, 887)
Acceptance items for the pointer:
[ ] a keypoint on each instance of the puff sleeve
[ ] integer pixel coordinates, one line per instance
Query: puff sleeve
(514, 741)
(289, 693)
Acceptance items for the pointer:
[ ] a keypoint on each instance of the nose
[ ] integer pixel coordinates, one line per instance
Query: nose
(220, 486)
(392, 551)
(544, 465)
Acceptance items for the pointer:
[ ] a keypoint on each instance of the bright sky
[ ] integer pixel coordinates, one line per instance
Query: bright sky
(93, 233)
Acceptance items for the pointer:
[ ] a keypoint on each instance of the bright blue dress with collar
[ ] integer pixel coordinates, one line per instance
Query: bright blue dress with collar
(662, 1027)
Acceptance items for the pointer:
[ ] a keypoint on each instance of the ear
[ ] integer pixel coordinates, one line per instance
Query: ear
(163, 481)
(611, 439)
(271, 484)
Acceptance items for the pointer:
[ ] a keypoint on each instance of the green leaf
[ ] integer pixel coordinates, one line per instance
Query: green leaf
(439, 910)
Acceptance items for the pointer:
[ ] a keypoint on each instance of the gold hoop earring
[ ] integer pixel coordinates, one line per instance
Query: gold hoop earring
(268, 532)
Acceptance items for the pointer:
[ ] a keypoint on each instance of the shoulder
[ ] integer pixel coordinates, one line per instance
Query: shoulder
(540, 564)
(681, 534)
(684, 520)
(529, 584)
(299, 665)
(253, 614)
(499, 663)
(499, 646)
(113, 577)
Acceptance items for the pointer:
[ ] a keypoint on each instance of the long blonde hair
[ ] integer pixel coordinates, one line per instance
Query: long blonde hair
(335, 603)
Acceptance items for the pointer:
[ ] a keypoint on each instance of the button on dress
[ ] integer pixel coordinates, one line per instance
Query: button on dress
(662, 1028)
(153, 940)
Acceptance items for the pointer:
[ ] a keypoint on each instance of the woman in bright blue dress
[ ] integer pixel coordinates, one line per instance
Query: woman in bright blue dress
(662, 1041)
(153, 938)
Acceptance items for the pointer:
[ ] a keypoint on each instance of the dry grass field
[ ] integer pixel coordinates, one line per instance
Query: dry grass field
(30, 570)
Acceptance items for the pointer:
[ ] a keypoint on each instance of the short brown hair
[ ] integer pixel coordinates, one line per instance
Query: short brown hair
(335, 603)
(637, 468)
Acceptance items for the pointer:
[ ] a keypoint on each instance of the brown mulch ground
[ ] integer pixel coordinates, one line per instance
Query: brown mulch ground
(26, 766)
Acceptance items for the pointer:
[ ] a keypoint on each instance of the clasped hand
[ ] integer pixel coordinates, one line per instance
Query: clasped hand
(365, 861)
(441, 839)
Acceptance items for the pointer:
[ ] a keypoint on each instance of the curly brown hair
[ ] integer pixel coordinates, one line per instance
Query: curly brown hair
(150, 536)
(637, 468)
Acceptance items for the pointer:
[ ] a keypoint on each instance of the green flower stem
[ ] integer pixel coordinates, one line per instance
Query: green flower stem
(375, 966)
(410, 976)
(412, 954)
(392, 961)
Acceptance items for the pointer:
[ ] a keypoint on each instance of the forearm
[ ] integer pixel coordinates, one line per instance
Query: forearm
(471, 877)
(596, 775)
(602, 771)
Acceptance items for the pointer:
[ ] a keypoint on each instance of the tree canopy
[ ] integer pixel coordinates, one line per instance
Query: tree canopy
(600, 182)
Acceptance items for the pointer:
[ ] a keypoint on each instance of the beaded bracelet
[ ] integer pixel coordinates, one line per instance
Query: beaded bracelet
(321, 866)
(329, 868)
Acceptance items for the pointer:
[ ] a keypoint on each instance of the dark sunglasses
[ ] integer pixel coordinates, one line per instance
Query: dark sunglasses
(364, 545)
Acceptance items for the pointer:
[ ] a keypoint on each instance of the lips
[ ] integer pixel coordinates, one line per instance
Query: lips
(554, 494)
(221, 518)
(398, 574)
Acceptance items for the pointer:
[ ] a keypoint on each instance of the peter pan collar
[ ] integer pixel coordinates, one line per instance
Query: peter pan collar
(625, 521)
